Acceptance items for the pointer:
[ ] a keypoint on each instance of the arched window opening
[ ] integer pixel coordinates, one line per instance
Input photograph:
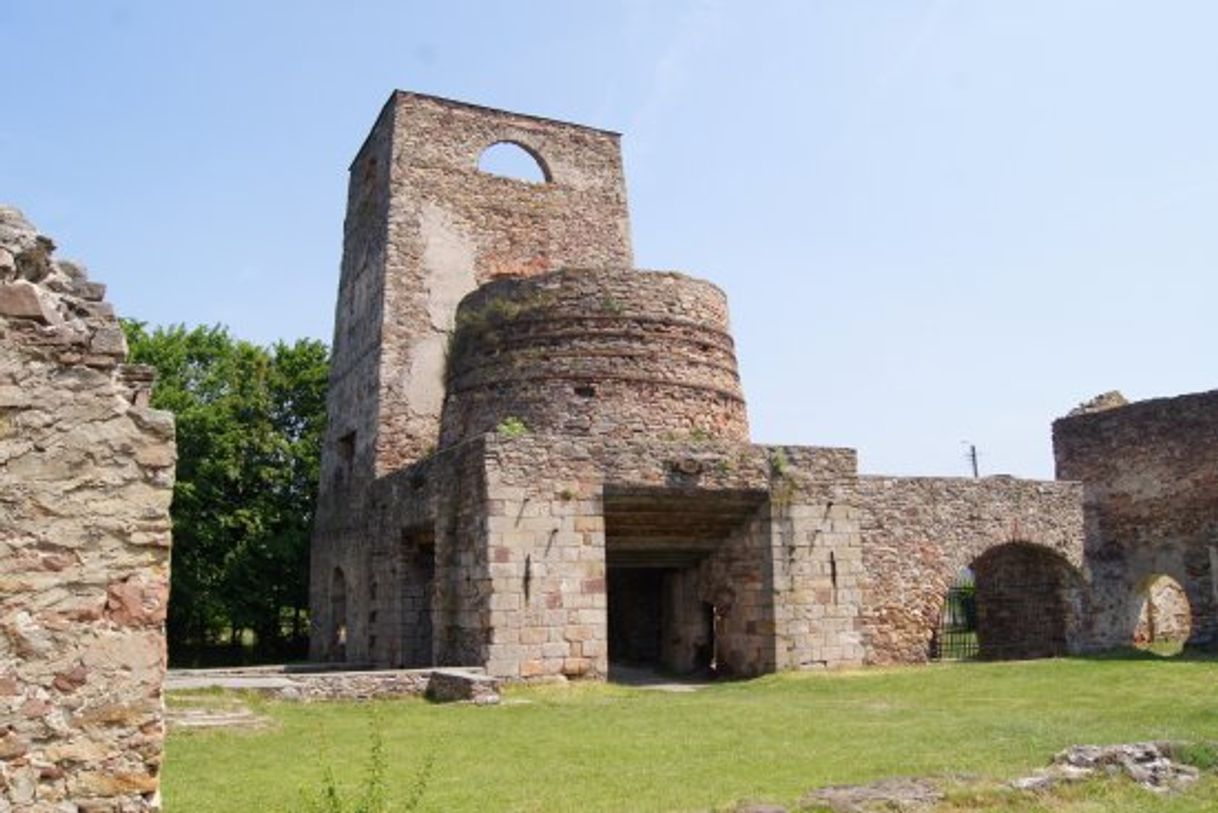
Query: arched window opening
(508, 159)
(1164, 616)
(338, 615)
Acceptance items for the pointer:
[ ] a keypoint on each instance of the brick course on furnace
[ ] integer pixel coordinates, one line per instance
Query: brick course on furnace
(537, 459)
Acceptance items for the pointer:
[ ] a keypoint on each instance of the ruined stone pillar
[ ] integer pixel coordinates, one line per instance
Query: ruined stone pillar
(86, 478)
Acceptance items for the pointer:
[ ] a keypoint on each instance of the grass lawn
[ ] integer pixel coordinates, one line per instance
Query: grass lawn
(593, 747)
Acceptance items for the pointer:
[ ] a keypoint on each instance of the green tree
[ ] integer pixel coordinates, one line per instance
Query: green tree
(249, 425)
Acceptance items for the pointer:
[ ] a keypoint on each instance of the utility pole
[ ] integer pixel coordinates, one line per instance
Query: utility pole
(971, 456)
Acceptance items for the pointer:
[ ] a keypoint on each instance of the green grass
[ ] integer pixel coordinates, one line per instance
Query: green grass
(591, 747)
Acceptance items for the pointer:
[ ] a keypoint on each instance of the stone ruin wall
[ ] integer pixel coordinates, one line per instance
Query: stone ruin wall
(919, 533)
(1152, 504)
(607, 352)
(453, 227)
(86, 476)
(542, 599)
(424, 227)
(802, 570)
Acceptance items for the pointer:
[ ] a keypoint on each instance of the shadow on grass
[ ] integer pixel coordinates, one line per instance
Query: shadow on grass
(1132, 653)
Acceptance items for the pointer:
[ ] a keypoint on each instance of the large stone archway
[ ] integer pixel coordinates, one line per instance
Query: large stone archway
(1021, 539)
(1028, 602)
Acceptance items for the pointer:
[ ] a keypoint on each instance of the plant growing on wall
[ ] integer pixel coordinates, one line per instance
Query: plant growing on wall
(512, 427)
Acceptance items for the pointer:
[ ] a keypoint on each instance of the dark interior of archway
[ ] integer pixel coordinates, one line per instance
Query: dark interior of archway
(418, 585)
(655, 540)
(636, 615)
(1022, 603)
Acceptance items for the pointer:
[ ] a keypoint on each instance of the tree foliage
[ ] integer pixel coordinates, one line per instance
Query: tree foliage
(249, 427)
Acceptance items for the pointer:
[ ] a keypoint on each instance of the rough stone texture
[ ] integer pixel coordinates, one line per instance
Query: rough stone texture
(1100, 403)
(590, 492)
(1151, 491)
(885, 795)
(1147, 763)
(424, 227)
(595, 352)
(462, 685)
(1022, 539)
(86, 475)
(442, 685)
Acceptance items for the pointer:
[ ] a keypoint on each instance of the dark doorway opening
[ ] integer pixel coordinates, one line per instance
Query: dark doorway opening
(418, 574)
(1020, 604)
(661, 546)
(636, 616)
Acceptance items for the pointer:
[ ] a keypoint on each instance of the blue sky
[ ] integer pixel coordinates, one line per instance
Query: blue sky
(936, 221)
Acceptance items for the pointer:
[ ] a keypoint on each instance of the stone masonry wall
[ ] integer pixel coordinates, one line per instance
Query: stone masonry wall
(546, 535)
(595, 352)
(424, 227)
(919, 533)
(817, 550)
(1152, 504)
(86, 475)
(452, 227)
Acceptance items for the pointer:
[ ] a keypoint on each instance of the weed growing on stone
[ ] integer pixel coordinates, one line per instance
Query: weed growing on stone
(512, 427)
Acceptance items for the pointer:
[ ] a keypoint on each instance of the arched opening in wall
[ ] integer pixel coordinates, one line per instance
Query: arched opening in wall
(1165, 617)
(338, 616)
(510, 159)
(417, 586)
(1015, 601)
(955, 639)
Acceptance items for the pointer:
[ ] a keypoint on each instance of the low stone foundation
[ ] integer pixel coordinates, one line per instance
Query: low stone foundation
(285, 683)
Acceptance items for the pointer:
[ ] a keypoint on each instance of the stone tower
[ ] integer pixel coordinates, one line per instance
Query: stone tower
(424, 227)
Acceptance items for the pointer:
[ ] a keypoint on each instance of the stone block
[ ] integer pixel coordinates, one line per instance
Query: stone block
(453, 685)
(23, 300)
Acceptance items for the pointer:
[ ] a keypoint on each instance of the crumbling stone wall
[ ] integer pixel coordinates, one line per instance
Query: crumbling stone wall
(424, 227)
(919, 533)
(595, 352)
(630, 449)
(1151, 494)
(86, 475)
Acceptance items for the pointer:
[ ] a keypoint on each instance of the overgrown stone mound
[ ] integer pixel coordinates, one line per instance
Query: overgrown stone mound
(1150, 764)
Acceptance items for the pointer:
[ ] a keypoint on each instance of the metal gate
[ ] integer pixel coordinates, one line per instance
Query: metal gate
(956, 637)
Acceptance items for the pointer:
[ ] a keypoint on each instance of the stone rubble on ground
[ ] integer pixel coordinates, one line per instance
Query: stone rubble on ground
(438, 685)
(904, 795)
(1147, 763)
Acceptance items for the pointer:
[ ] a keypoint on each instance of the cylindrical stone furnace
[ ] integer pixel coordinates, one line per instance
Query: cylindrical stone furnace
(612, 353)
